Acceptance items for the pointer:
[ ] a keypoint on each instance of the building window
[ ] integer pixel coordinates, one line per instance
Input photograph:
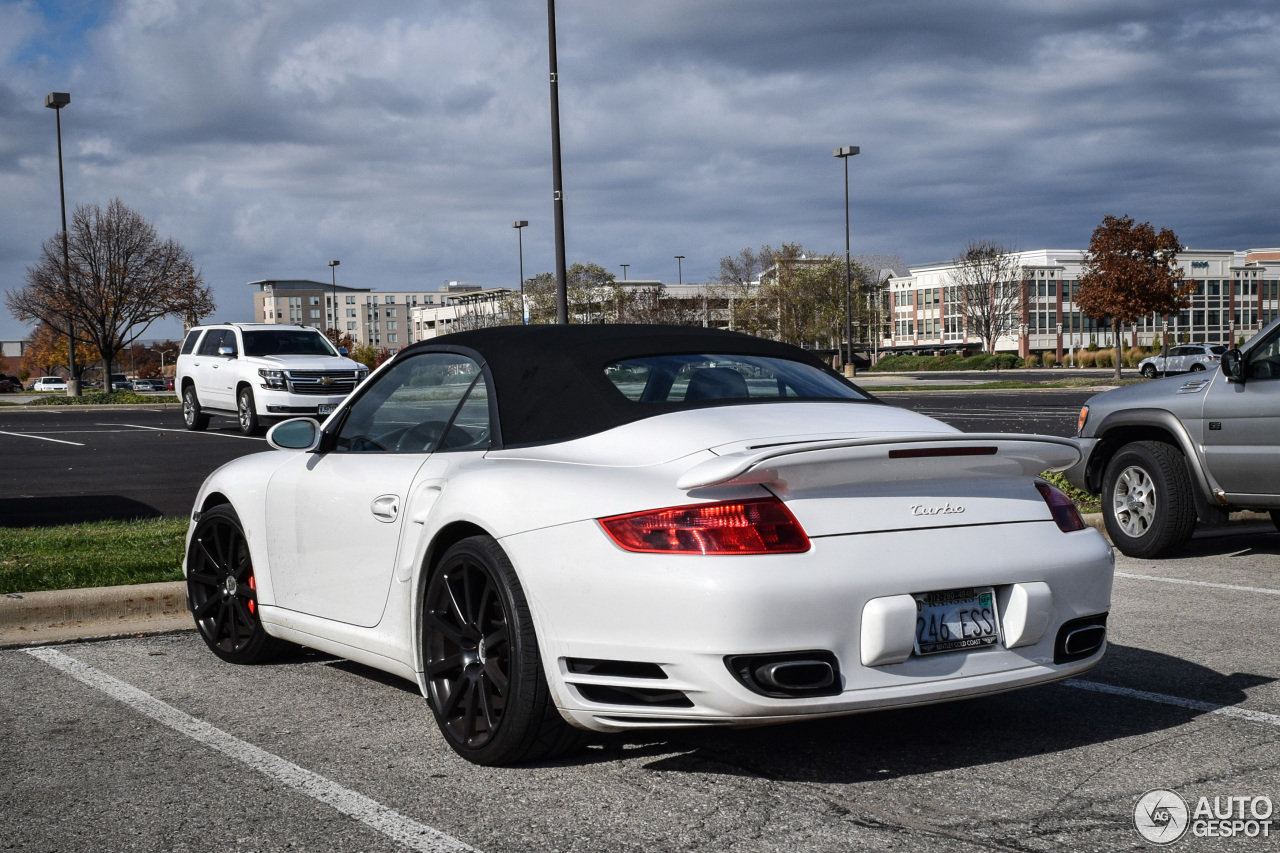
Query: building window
(351, 327)
(315, 313)
(390, 300)
(315, 300)
(351, 300)
(391, 339)
(391, 324)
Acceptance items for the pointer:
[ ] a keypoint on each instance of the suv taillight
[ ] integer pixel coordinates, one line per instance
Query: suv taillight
(1062, 508)
(759, 526)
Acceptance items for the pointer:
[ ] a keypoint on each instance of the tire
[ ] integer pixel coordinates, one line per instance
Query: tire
(1275, 518)
(247, 412)
(1198, 367)
(222, 592)
(1147, 502)
(192, 415)
(486, 685)
(1148, 371)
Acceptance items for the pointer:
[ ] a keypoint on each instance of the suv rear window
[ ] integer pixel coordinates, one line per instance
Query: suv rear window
(706, 378)
(190, 343)
(286, 342)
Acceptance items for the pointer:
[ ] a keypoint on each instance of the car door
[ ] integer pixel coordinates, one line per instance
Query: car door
(1242, 424)
(210, 369)
(336, 517)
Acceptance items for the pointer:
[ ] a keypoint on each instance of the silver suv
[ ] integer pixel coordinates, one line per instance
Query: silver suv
(1185, 358)
(261, 372)
(1167, 453)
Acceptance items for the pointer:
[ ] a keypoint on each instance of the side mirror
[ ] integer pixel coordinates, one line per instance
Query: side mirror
(342, 350)
(227, 351)
(1233, 365)
(294, 434)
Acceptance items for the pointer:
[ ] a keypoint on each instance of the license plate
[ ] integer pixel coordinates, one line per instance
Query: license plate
(956, 619)
(326, 408)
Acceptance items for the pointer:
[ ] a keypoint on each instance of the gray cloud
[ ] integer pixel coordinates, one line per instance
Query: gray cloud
(403, 137)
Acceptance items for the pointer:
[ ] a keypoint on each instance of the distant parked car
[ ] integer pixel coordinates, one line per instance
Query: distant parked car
(148, 385)
(1187, 358)
(9, 384)
(49, 383)
(119, 382)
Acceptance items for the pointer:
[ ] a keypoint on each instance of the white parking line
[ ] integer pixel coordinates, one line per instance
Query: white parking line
(1256, 589)
(172, 429)
(42, 438)
(389, 822)
(1177, 701)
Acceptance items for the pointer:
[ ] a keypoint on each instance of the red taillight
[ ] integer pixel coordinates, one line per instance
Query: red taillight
(762, 526)
(1064, 511)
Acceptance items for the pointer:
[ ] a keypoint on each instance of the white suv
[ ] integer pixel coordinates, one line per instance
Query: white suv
(259, 372)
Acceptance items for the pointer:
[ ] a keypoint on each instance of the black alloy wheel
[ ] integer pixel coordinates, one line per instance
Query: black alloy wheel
(486, 684)
(192, 415)
(222, 591)
(247, 412)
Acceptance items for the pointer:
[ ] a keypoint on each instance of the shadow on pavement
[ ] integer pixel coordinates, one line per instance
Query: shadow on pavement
(937, 738)
(72, 509)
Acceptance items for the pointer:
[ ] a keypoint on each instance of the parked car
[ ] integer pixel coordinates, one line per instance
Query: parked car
(9, 384)
(148, 385)
(49, 383)
(551, 528)
(120, 382)
(259, 373)
(1166, 454)
(1185, 358)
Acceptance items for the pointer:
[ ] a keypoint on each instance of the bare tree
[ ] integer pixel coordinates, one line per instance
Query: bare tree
(988, 280)
(737, 282)
(122, 278)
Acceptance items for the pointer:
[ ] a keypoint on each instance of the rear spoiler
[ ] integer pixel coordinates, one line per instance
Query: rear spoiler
(886, 458)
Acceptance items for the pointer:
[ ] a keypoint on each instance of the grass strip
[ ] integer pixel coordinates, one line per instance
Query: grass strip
(1005, 385)
(101, 398)
(101, 553)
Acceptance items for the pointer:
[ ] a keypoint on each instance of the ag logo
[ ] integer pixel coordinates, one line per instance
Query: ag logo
(1160, 816)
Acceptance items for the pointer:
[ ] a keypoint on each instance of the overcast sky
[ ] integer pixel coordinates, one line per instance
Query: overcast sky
(404, 137)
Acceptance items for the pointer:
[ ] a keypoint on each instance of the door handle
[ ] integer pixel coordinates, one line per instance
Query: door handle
(385, 508)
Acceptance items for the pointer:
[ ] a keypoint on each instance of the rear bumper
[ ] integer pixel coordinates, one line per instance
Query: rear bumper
(687, 614)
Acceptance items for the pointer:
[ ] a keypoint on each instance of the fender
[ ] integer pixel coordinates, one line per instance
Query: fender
(1208, 495)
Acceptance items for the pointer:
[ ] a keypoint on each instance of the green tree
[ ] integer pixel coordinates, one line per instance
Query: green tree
(1131, 272)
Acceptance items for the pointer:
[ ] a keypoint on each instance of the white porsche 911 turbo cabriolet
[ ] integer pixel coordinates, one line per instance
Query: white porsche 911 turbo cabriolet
(553, 529)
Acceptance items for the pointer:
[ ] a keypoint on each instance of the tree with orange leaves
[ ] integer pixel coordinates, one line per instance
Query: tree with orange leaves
(46, 352)
(1131, 272)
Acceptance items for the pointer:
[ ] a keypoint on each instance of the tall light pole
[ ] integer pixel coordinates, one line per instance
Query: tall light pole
(624, 270)
(562, 281)
(56, 101)
(844, 154)
(680, 268)
(333, 273)
(519, 225)
(163, 353)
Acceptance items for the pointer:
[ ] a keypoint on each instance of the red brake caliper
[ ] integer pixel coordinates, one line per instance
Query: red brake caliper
(253, 605)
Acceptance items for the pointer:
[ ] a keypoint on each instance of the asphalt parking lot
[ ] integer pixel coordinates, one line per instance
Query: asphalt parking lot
(183, 752)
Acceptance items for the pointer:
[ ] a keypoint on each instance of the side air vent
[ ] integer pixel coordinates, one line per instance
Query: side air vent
(614, 668)
(635, 696)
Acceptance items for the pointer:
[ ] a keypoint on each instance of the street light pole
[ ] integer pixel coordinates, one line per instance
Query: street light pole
(624, 270)
(520, 225)
(56, 101)
(844, 154)
(562, 281)
(333, 273)
(163, 353)
(680, 268)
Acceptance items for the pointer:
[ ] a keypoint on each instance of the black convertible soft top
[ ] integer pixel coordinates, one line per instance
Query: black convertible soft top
(550, 382)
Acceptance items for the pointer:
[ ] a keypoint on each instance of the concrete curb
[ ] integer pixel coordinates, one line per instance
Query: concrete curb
(56, 616)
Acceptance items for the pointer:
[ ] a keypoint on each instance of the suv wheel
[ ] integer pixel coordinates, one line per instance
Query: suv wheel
(246, 412)
(192, 415)
(1198, 367)
(1146, 499)
(1149, 371)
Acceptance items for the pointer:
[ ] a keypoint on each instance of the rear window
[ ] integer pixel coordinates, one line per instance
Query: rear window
(286, 342)
(697, 379)
(190, 343)
(1218, 350)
